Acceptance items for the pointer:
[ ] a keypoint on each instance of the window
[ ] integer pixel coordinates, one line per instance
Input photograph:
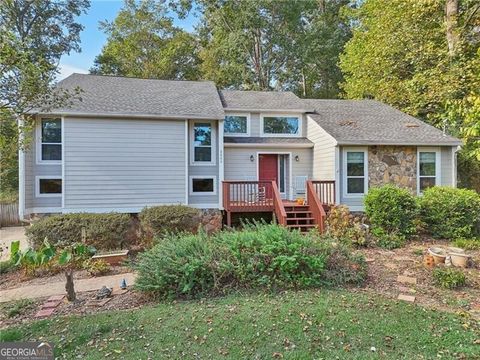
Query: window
(48, 186)
(202, 185)
(427, 169)
(281, 125)
(236, 125)
(355, 172)
(51, 140)
(203, 143)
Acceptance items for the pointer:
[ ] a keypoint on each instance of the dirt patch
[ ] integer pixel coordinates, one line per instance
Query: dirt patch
(385, 266)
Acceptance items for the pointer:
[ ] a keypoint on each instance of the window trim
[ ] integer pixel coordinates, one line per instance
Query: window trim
(195, 193)
(46, 177)
(365, 173)
(38, 142)
(247, 115)
(264, 115)
(213, 162)
(438, 165)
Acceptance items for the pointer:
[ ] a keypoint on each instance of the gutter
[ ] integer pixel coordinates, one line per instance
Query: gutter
(129, 116)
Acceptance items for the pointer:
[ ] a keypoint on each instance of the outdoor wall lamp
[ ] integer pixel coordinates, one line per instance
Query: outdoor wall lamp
(297, 158)
(252, 159)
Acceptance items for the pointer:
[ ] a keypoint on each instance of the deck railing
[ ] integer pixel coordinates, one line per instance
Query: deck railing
(248, 196)
(279, 209)
(325, 190)
(316, 206)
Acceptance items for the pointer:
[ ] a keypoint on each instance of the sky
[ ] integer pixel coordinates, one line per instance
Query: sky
(92, 39)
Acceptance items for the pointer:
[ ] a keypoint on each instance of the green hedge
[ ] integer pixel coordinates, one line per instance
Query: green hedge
(161, 220)
(391, 210)
(259, 256)
(103, 231)
(450, 213)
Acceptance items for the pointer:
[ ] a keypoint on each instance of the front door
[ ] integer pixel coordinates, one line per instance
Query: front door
(268, 169)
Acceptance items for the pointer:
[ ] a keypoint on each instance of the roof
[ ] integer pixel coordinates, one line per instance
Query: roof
(370, 122)
(299, 141)
(123, 96)
(238, 100)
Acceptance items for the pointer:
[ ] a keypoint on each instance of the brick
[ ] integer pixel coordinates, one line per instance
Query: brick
(44, 313)
(56, 298)
(407, 298)
(407, 280)
(50, 304)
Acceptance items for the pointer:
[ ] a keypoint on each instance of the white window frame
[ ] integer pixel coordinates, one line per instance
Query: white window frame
(38, 142)
(264, 115)
(46, 177)
(194, 193)
(247, 115)
(365, 172)
(213, 145)
(438, 165)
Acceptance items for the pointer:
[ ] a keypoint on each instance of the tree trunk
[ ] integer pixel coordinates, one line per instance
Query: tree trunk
(451, 16)
(69, 286)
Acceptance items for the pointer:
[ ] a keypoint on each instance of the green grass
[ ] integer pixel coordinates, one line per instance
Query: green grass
(15, 308)
(324, 324)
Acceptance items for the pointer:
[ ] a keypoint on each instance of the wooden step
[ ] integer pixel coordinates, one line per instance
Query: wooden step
(300, 218)
(298, 212)
(298, 226)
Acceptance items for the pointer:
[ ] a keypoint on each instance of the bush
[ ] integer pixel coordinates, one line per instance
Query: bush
(449, 212)
(96, 267)
(260, 256)
(344, 227)
(103, 231)
(467, 244)
(388, 241)
(391, 209)
(449, 278)
(160, 220)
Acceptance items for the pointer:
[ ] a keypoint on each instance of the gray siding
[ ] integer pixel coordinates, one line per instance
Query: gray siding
(35, 204)
(323, 151)
(123, 165)
(239, 167)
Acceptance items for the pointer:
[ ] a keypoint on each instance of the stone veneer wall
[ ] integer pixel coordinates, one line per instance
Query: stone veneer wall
(393, 165)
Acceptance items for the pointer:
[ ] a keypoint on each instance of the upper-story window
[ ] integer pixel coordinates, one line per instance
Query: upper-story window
(236, 125)
(203, 143)
(281, 125)
(428, 169)
(50, 144)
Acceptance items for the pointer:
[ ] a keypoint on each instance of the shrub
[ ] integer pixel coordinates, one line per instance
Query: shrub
(96, 267)
(388, 241)
(344, 227)
(160, 220)
(449, 212)
(467, 244)
(391, 209)
(449, 278)
(103, 231)
(259, 256)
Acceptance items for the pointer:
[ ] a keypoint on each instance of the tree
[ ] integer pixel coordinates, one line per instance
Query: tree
(142, 42)
(33, 37)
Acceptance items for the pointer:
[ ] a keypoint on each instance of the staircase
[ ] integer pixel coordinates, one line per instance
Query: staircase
(299, 217)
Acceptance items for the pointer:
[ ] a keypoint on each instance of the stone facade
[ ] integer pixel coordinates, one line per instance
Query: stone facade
(211, 220)
(393, 165)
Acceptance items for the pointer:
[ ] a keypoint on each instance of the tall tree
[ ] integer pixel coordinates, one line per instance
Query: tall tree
(34, 34)
(143, 42)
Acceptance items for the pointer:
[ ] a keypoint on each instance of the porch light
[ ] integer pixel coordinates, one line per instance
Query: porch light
(252, 159)
(297, 158)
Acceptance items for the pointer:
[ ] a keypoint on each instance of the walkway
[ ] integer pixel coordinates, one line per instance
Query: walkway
(58, 288)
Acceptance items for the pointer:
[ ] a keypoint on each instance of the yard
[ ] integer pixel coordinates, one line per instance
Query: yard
(293, 325)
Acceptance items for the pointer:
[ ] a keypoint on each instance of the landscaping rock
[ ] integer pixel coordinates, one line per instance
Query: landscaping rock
(103, 293)
(407, 280)
(407, 298)
(44, 313)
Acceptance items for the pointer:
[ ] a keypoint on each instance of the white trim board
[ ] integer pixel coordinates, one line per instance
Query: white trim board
(213, 145)
(438, 165)
(46, 177)
(190, 181)
(346, 150)
(269, 145)
(21, 172)
(38, 142)
(221, 164)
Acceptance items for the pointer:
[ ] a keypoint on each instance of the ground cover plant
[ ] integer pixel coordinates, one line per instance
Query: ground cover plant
(311, 324)
(449, 278)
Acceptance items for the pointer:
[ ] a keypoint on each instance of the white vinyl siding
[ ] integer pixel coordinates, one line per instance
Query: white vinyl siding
(323, 151)
(123, 165)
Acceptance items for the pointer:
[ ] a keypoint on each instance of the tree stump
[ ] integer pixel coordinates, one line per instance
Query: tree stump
(69, 286)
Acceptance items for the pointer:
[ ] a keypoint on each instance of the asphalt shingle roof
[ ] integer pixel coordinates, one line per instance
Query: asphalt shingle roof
(372, 122)
(266, 140)
(122, 95)
(261, 100)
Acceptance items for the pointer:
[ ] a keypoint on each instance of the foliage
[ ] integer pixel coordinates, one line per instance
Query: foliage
(160, 220)
(96, 267)
(17, 307)
(6, 266)
(467, 244)
(75, 254)
(450, 213)
(344, 227)
(8, 196)
(388, 240)
(33, 37)
(31, 260)
(449, 278)
(391, 209)
(103, 231)
(260, 256)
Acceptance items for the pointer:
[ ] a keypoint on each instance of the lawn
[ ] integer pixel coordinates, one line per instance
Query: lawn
(321, 324)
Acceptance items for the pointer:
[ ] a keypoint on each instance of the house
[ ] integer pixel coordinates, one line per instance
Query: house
(131, 143)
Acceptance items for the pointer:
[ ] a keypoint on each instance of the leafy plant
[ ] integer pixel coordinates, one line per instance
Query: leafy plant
(345, 227)
(32, 259)
(76, 253)
(467, 244)
(388, 241)
(449, 212)
(17, 307)
(96, 267)
(392, 210)
(449, 278)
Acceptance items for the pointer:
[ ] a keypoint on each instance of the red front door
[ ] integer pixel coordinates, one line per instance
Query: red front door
(268, 167)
